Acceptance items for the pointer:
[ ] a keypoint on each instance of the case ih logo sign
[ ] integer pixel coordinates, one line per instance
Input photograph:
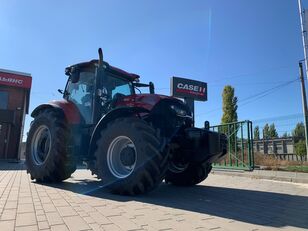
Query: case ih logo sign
(15, 80)
(187, 88)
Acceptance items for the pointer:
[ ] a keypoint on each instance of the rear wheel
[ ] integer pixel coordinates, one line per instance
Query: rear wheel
(47, 157)
(187, 175)
(129, 156)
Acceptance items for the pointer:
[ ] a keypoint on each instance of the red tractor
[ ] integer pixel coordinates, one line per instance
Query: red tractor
(131, 141)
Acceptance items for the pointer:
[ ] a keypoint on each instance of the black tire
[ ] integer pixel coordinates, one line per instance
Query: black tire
(192, 175)
(47, 158)
(149, 160)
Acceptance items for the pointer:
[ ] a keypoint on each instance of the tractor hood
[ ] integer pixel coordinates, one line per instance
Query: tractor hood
(147, 101)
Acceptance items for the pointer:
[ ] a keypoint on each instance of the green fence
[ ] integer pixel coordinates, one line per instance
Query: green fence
(240, 145)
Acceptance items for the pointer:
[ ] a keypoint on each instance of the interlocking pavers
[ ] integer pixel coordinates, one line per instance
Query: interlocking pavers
(7, 225)
(43, 225)
(65, 211)
(25, 208)
(8, 214)
(54, 218)
(76, 223)
(27, 228)
(99, 218)
(219, 203)
(59, 228)
(25, 219)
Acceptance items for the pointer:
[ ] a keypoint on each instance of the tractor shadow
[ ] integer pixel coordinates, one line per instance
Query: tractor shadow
(249, 206)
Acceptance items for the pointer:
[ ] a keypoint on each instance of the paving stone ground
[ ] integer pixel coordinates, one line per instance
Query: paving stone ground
(219, 203)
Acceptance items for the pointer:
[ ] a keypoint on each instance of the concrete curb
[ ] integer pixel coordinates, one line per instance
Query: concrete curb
(297, 177)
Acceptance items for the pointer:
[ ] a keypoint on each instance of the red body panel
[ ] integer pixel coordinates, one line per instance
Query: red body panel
(147, 101)
(70, 110)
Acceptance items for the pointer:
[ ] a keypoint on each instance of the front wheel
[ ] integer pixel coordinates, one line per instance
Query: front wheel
(129, 156)
(47, 158)
(187, 175)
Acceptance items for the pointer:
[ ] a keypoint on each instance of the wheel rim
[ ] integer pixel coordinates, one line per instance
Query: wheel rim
(41, 145)
(121, 157)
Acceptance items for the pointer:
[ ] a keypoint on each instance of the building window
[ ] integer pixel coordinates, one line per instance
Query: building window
(4, 98)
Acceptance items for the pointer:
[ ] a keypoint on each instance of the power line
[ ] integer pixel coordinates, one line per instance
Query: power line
(247, 83)
(241, 75)
(257, 96)
(280, 118)
(256, 73)
(268, 91)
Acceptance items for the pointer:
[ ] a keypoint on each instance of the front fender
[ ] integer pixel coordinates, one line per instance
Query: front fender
(166, 119)
(110, 116)
(69, 109)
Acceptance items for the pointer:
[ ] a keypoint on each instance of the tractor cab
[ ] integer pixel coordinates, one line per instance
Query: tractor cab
(95, 88)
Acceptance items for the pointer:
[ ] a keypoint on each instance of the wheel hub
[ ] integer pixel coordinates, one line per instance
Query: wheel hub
(121, 157)
(178, 167)
(127, 156)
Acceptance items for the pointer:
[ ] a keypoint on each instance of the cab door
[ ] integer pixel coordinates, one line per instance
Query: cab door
(81, 93)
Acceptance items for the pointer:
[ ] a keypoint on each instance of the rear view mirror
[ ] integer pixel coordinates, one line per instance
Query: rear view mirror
(75, 75)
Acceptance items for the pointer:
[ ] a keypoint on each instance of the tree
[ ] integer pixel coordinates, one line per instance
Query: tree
(272, 131)
(300, 148)
(266, 134)
(299, 139)
(285, 135)
(256, 133)
(229, 109)
(229, 106)
(299, 131)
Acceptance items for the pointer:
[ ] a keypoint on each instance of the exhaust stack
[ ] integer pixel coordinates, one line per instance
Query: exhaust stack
(100, 56)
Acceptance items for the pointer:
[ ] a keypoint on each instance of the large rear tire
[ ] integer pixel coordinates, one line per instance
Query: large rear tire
(129, 157)
(47, 157)
(193, 174)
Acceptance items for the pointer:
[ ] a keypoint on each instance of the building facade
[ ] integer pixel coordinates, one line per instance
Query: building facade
(14, 105)
(274, 146)
(281, 148)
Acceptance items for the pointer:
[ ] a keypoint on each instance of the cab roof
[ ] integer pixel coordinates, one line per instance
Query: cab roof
(111, 69)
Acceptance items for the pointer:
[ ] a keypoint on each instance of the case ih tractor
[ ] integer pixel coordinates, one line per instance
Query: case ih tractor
(131, 141)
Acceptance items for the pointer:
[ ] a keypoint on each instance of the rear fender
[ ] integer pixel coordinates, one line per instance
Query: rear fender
(110, 116)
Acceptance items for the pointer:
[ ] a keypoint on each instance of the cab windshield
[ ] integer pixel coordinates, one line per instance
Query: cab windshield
(115, 85)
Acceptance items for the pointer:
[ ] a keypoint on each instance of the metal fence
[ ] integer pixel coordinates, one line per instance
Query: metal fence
(240, 145)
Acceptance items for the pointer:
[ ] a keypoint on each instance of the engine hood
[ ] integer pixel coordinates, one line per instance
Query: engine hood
(147, 101)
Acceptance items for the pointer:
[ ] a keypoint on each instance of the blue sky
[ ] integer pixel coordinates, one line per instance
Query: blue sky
(251, 45)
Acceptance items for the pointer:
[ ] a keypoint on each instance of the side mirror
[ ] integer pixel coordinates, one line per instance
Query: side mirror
(75, 75)
(207, 125)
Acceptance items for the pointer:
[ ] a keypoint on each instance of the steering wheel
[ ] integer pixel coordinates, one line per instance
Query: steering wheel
(109, 104)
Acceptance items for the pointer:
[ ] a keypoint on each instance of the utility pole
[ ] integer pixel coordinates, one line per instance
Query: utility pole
(304, 99)
(303, 33)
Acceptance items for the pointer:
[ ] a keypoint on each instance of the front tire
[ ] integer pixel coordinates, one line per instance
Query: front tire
(193, 174)
(129, 157)
(47, 158)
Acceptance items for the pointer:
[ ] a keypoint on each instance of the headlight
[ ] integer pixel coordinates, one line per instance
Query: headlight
(179, 111)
